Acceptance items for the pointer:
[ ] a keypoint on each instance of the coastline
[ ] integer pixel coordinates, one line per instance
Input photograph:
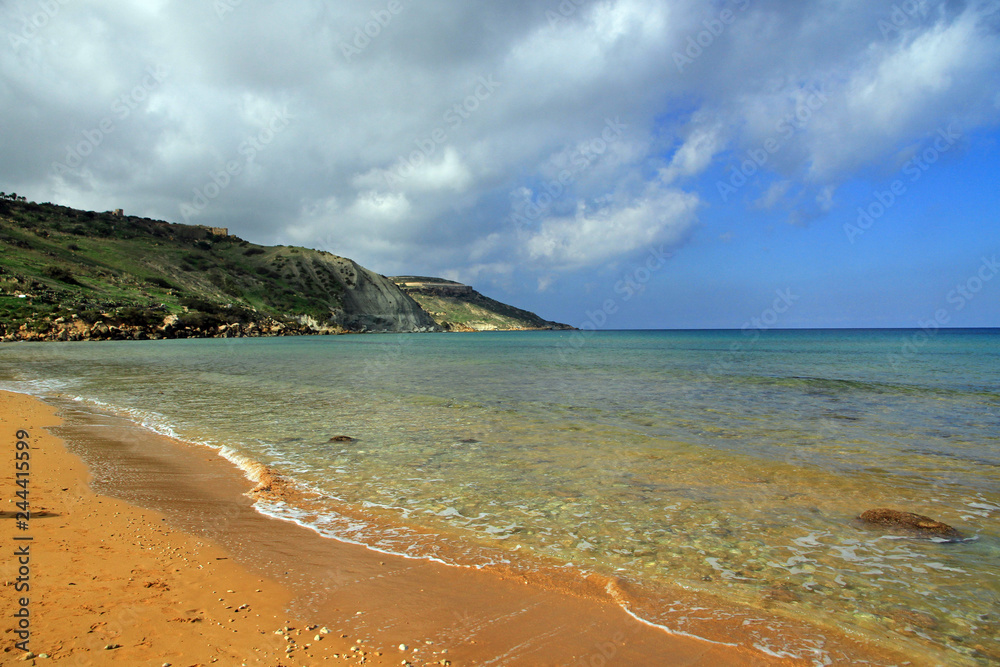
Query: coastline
(479, 617)
(105, 573)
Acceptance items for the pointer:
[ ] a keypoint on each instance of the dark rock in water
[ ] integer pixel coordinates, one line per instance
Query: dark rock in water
(341, 438)
(918, 522)
(468, 441)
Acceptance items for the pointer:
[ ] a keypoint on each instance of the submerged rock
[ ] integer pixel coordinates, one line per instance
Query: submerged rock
(918, 522)
(341, 438)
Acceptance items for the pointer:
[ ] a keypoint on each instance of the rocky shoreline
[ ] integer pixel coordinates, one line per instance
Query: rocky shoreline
(76, 329)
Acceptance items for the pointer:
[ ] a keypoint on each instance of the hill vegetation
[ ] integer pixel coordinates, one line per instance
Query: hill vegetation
(67, 274)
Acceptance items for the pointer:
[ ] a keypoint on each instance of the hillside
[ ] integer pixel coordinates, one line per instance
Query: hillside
(67, 274)
(458, 307)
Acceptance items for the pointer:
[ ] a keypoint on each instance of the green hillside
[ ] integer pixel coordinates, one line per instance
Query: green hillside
(58, 263)
(67, 274)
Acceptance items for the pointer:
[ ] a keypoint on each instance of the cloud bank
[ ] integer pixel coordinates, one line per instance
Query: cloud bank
(478, 139)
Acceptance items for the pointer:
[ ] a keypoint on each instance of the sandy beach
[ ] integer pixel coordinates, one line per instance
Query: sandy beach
(187, 573)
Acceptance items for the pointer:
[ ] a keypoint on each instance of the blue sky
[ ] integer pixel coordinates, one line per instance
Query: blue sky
(612, 163)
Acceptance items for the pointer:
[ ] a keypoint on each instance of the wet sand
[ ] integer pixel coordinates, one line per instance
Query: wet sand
(157, 549)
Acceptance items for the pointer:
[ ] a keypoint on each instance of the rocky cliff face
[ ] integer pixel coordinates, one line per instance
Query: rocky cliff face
(371, 302)
(458, 307)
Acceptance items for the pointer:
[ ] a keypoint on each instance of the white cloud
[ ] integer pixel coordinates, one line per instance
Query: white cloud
(377, 207)
(325, 178)
(696, 153)
(906, 88)
(775, 194)
(417, 172)
(601, 235)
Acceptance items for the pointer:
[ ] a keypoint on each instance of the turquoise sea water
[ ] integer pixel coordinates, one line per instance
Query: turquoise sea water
(719, 461)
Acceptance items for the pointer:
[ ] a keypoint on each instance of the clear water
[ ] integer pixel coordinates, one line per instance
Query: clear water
(716, 461)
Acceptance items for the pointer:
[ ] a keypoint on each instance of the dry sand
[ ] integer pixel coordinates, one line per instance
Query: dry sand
(114, 584)
(187, 573)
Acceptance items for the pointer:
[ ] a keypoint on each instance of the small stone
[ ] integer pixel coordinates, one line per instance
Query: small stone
(28, 656)
(324, 630)
(43, 656)
(403, 647)
(317, 638)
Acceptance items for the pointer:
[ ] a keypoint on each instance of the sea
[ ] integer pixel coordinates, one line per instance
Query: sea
(729, 463)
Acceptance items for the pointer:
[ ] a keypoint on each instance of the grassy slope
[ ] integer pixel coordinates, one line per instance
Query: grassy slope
(137, 271)
(72, 261)
(472, 311)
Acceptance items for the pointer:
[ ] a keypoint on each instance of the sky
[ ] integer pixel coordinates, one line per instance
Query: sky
(610, 164)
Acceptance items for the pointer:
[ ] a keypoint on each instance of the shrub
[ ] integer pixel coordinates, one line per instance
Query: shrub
(197, 320)
(141, 317)
(198, 303)
(60, 274)
(159, 282)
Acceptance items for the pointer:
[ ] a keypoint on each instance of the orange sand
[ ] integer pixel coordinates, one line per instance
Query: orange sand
(106, 574)
(112, 583)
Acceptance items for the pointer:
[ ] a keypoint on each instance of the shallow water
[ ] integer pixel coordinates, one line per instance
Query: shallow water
(714, 460)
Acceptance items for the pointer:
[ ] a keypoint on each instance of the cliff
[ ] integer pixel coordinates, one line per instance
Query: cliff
(458, 307)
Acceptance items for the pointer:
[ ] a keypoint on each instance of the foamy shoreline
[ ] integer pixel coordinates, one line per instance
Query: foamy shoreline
(113, 583)
(643, 638)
